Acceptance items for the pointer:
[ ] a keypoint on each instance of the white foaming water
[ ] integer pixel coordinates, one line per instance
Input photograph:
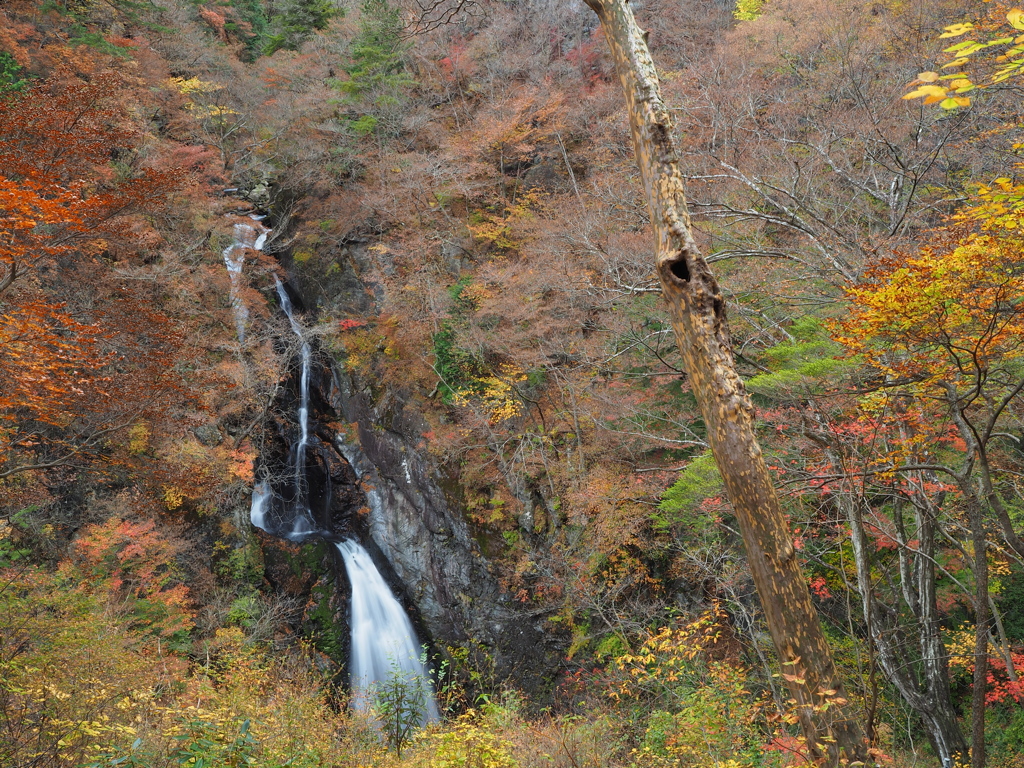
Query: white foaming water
(384, 643)
(299, 449)
(234, 259)
(261, 496)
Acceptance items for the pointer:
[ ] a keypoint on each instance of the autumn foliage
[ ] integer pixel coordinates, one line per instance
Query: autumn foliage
(471, 247)
(77, 345)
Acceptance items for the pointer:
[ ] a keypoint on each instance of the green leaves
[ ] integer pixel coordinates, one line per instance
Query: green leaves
(378, 84)
(697, 482)
(295, 21)
(11, 79)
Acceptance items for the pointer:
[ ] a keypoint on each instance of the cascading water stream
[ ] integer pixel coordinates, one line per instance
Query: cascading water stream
(302, 522)
(247, 237)
(384, 644)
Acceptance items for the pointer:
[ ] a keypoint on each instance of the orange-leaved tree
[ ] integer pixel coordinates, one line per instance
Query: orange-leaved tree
(69, 179)
(943, 332)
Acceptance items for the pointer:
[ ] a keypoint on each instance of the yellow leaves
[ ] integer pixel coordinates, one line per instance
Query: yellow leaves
(210, 110)
(192, 85)
(954, 102)
(85, 688)
(671, 655)
(936, 318)
(470, 741)
(499, 229)
(748, 10)
(928, 91)
(138, 438)
(496, 394)
(1009, 62)
(931, 93)
(947, 96)
(173, 497)
(956, 30)
(475, 295)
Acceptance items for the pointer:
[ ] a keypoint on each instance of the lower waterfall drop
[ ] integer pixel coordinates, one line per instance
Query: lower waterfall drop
(384, 644)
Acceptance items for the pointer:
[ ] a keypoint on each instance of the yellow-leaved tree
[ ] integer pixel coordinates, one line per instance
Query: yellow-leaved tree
(977, 62)
(943, 331)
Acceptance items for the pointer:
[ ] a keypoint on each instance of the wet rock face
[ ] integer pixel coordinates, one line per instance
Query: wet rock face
(372, 480)
(429, 547)
(330, 280)
(331, 493)
(371, 483)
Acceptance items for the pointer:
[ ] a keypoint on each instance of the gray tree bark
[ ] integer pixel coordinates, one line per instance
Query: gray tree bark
(698, 318)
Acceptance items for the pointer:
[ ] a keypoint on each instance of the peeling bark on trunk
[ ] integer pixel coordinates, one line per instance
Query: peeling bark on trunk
(698, 318)
(927, 690)
(981, 630)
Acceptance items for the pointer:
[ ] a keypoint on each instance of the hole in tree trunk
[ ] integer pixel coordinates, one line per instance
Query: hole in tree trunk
(679, 269)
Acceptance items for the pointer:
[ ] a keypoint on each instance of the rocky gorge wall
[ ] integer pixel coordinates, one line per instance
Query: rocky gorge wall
(370, 479)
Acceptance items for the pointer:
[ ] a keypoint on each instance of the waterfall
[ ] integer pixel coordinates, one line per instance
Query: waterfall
(246, 238)
(383, 641)
(303, 518)
(261, 498)
(263, 512)
(384, 644)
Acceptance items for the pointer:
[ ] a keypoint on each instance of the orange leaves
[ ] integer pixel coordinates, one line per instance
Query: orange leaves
(509, 134)
(47, 356)
(242, 464)
(953, 308)
(136, 560)
(81, 354)
(58, 187)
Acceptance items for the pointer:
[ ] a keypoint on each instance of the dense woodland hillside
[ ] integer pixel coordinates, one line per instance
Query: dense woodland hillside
(455, 222)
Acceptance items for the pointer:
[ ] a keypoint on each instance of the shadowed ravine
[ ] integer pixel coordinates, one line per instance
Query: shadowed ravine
(384, 645)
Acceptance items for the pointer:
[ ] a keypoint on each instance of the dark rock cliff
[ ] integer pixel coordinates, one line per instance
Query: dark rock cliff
(424, 538)
(369, 478)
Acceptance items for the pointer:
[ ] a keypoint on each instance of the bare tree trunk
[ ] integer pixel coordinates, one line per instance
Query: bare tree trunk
(698, 318)
(981, 629)
(928, 694)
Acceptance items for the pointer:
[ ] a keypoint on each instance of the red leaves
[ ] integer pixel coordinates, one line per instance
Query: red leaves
(820, 587)
(136, 560)
(216, 22)
(350, 324)
(1001, 688)
(82, 355)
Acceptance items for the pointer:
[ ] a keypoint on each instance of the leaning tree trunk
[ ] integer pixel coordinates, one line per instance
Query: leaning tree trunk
(698, 318)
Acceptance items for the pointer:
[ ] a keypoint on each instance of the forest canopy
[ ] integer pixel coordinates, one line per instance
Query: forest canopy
(423, 224)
